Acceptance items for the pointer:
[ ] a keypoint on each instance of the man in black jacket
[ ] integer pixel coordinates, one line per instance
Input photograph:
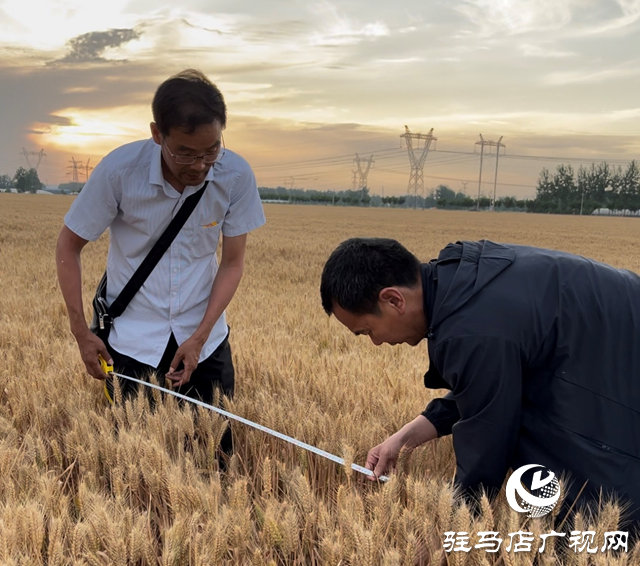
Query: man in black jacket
(540, 350)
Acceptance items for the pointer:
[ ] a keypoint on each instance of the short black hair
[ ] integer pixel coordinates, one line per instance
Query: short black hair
(359, 268)
(188, 100)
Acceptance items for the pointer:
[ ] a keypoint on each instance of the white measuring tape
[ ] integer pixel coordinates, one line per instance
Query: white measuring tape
(259, 427)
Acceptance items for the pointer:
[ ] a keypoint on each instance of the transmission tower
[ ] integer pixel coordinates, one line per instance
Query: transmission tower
(288, 182)
(416, 179)
(362, 172)
(491, 144)
(354, 180)
(75, 165)
(39, 154)
(86, 170)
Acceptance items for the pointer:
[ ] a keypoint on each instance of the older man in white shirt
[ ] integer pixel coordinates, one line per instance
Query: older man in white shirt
(175, 324)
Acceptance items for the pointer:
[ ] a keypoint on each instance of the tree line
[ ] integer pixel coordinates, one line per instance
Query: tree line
(581, 192)
(24, 180)
(441, 197)
(565, 191)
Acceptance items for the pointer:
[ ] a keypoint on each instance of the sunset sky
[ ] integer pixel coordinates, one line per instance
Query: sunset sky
(309, 84)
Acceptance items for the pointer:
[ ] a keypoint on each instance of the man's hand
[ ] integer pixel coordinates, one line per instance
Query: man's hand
(90, 347)
(189, 355)
(383, 458)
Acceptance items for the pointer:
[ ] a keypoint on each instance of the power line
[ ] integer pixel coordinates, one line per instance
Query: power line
(454, 161)
(461, 180)
(344, 159)
(336, 158)
(314, 166)
(547, 157)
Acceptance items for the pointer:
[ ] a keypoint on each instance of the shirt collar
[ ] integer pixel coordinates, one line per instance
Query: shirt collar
(155, 169)
(429, 278)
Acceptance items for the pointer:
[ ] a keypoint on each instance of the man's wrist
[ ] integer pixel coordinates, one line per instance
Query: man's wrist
(79, 329)
(416, 433)
(405, 436)
(201, 335)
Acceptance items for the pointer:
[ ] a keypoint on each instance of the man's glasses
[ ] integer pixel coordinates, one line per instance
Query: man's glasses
(208, 158)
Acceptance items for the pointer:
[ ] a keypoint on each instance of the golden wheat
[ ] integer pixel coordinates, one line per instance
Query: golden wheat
(82, 482)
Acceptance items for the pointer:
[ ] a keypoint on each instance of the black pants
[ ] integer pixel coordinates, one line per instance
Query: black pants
(216, 371)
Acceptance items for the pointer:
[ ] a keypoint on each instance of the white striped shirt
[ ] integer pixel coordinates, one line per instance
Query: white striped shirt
(128, 194)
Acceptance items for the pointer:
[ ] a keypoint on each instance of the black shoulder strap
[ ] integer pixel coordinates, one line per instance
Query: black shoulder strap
(154, 255)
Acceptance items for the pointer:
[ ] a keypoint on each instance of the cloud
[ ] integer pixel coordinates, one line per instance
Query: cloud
(627, 114)
(517, 16)
(529, 50)
(619, 25)
(212, 30)
(338, 29)
(89, 47)
(629, 7)
(575, 77)
(607, 18)
(401, 61)
(48, 24)
(35, 100)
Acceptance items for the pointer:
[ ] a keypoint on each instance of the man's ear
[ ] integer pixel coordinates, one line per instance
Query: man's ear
(155, 133)
(394, 298)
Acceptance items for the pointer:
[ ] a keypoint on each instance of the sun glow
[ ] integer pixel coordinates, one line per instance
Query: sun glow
(95, 132)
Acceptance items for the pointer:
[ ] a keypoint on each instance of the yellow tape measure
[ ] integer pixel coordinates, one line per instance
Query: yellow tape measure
(106, 368)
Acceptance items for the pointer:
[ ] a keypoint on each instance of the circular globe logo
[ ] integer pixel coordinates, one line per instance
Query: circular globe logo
(537, 499)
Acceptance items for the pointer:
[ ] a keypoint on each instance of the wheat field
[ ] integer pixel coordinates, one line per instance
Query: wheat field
(85, 483)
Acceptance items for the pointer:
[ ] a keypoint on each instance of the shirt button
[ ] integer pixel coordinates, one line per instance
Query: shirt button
(175, 271)
(173, 293)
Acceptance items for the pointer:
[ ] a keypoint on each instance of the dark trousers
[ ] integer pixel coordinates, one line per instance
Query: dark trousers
(216, 371)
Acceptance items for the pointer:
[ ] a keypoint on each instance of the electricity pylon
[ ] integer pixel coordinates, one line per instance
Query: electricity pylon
(39, 154)
(416, 179)
(362, 173)
(288, 182)
(75, 165)
(491, 144)
(86, 170)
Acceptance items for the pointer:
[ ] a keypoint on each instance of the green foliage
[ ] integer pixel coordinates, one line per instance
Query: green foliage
(444, 193)
(590, 188)
(27, 181)
(5, 182)
(509, 202)
(70, 187)
(349, 198)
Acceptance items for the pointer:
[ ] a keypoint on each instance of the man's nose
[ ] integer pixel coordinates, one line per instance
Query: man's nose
(199, 165)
